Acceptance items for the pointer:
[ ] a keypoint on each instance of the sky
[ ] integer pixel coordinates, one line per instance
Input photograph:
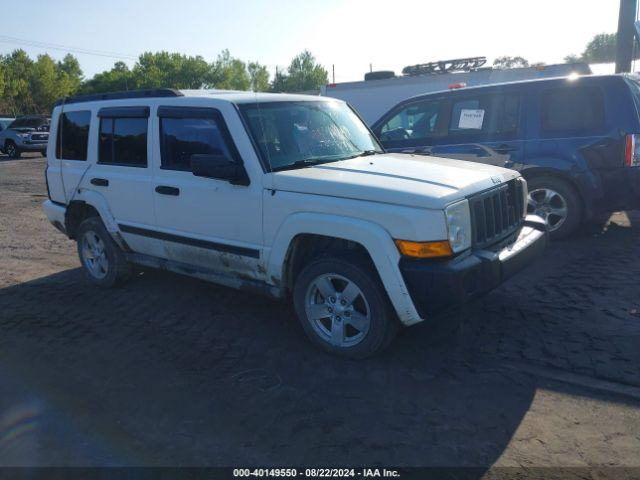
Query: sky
(347, 34)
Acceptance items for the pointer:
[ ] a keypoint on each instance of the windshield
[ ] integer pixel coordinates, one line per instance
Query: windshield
(302, 133)
(4, 123)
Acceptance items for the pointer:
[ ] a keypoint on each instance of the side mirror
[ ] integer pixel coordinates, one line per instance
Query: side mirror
(217, 165)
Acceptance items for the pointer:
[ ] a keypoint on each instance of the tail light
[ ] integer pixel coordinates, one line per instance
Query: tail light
(631, 151)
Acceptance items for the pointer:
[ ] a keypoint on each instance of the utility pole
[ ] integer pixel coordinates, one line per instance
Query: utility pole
(625, 37)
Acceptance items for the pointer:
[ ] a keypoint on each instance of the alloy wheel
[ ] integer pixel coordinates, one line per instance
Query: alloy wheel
(549, 205)
(337, 310)
(94, 255)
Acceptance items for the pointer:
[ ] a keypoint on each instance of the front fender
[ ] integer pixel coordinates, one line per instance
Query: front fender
(375, 239)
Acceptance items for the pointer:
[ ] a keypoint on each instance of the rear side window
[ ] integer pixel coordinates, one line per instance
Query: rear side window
(123, 141)
(416, 121)
(182, 137)
(73, 135)
(571, 110)
(507, 113)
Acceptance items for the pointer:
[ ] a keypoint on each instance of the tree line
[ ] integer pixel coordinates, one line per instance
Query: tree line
(32, 86)
(600, 49)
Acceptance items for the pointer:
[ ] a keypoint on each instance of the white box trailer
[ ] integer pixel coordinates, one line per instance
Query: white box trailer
(373, 98)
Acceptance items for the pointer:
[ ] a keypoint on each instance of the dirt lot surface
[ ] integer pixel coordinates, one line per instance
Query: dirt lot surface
(545, 371)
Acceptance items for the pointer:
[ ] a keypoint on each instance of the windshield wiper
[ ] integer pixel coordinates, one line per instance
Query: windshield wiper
(307, 162)
(367, 153)
(364, 153)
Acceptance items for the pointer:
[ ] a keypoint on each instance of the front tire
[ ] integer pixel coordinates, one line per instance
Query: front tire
(343, 307)
(557, 202)
(12, 150)
(102, 260)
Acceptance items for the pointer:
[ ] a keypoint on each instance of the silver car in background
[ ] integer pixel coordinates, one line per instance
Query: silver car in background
(25, 134)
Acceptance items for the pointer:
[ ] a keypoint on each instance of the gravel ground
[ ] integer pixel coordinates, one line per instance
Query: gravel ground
(544, 371)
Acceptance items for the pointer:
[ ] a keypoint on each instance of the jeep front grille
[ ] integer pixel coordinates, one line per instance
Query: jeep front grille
(496, 213)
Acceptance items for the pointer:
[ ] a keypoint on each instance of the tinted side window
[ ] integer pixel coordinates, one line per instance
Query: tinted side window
(182, 137)
(73, 135)
(571, 109)
(123, 141)
(507, 113)
(418, 120)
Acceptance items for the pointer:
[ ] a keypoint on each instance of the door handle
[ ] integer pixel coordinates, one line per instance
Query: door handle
(100, 182)
(165, 190)
(505, 149)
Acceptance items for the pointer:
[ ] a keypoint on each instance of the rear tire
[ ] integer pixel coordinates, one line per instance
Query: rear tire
(102, 260)
(343, 306)
(557, 202)
(12, 150)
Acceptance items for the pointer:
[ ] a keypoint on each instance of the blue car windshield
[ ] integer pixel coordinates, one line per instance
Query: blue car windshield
(303, 133)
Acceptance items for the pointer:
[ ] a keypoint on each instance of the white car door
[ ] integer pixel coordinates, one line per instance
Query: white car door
(204, 222)
(121, 172)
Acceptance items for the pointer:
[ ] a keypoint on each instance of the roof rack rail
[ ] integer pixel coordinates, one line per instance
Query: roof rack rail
(469, 64)
(148, 93)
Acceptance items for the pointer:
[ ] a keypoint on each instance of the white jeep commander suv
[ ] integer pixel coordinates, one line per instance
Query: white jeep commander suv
(286, 195)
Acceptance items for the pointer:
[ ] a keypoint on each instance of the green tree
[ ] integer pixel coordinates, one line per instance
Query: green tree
(50, 81)
(45, 84)
(1, 87)
(259, 77)
(70, 67)
(171, 70)
(280, 82)
(174, 70)
(303, 74)
(17, 92)
(510, 62)
(119, 78)
(601, 49)
(572, 58)
(229, 73)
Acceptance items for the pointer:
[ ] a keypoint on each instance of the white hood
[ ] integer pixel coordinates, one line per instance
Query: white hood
(401, 179)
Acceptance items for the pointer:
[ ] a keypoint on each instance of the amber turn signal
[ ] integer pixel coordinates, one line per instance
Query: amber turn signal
(424, 249)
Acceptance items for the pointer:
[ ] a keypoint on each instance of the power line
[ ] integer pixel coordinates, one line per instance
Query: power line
(65, 48)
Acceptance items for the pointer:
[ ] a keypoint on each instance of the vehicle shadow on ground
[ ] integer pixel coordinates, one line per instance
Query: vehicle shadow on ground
(174, 371)
(182, 372)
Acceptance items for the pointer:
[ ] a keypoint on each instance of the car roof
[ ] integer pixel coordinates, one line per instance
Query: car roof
(567, 78)
(233, 96)
(237, 96)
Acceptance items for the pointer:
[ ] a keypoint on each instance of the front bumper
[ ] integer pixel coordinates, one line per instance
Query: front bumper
(32, 145)
(437, 285)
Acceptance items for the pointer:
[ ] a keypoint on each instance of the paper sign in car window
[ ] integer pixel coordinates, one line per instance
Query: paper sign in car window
(471, 119)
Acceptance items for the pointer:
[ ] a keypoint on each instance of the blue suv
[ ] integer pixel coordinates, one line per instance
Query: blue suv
(573, 139)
